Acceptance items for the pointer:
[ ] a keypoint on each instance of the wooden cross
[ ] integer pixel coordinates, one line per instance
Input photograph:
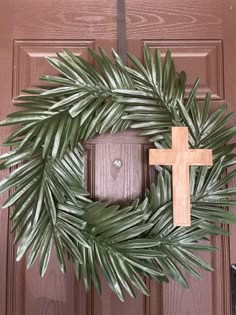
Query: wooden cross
(180, 157)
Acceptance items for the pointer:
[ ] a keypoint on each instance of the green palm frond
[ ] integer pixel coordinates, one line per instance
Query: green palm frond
(50, 204)
(180, 243)
(120, 252)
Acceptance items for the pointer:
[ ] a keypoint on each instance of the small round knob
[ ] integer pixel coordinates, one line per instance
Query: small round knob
(117, 163)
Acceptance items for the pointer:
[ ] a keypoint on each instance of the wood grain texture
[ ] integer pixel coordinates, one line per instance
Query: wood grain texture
(170, 19)
(180, 157)
(199, 19)
(5, 108)
(54, 294)
(62, 19)
(221, 285)
(179, 301)
(15, 279)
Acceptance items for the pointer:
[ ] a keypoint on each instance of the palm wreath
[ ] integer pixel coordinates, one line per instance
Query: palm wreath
(50, 206)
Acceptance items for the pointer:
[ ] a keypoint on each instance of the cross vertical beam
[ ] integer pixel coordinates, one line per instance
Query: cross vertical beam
(180, 157)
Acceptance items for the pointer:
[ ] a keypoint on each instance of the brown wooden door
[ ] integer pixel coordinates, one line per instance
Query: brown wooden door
(200, 34)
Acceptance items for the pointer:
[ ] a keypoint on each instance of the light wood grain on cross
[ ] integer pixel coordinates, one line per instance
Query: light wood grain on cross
(180, 157)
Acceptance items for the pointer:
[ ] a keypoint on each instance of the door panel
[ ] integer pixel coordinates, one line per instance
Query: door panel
(30, 62)
(200, 36)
